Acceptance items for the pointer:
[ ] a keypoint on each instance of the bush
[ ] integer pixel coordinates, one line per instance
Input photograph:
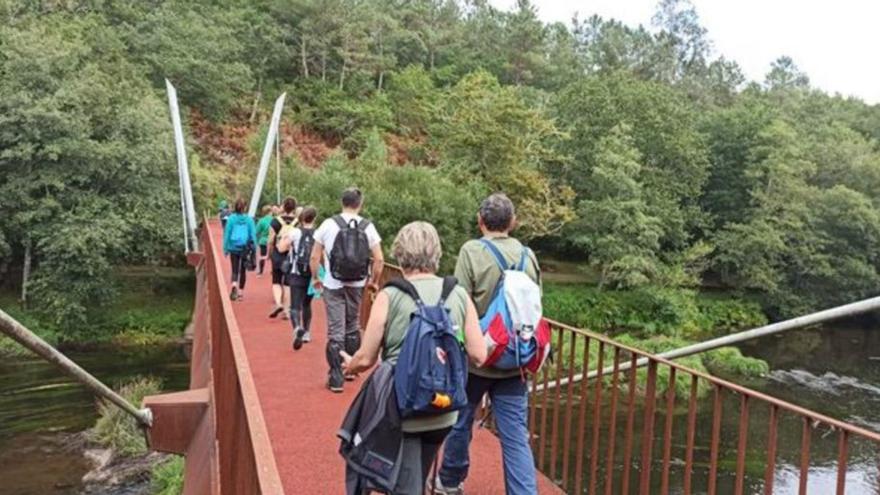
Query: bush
(117, 430)
(729, 361)
(649, 311)
(167, 477)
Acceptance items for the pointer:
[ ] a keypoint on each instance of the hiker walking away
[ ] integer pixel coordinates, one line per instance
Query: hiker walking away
(478, 272)
(299, 247)
(281, 227)
(346, 243)
(223, 212)
(393, 330)
(239, 236)
(263, 227)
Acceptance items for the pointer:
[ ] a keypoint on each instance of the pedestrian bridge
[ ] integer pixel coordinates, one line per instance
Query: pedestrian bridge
(258, 418)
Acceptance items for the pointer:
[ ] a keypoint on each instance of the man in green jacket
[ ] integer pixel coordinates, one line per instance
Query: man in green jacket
(263, 236)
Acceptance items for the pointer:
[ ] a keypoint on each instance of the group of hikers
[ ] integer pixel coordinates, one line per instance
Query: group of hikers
(445, 343)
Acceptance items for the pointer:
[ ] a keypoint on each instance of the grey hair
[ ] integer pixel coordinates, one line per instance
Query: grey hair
(417, 248)
(497, 212)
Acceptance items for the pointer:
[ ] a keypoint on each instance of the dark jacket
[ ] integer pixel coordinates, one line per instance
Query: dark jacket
(371, 434)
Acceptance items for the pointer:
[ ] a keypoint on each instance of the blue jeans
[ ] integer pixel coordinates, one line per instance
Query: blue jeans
(510, 405)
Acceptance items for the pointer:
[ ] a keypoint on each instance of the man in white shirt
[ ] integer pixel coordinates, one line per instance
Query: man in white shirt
(357, 258)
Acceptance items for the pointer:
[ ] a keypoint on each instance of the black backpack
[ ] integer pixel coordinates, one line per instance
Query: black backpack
(350, 256)
(304, 253)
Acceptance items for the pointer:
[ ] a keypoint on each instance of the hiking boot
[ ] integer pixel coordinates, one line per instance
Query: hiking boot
(298, 339)
(277, 311)
(439, 489)
(234, 294)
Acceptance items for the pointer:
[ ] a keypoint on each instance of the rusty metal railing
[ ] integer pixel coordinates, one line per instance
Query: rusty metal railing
(578, 442)
(245, 457)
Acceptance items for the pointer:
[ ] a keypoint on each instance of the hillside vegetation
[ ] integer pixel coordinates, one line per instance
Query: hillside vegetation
(637, 152)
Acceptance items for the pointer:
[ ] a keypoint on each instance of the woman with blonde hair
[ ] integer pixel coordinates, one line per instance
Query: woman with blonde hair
(417, 250)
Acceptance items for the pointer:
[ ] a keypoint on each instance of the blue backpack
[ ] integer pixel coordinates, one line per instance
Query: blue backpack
(431, 371)
(240, 235)
(516, 334)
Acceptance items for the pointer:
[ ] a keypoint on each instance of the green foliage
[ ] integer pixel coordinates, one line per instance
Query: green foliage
(85, 175)
(117, 430)
(394, 195)
(490, 132)
(729, 361)
(166, 477)
(649, 311)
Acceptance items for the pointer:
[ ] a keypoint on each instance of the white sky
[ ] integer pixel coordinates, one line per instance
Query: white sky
(834, 42)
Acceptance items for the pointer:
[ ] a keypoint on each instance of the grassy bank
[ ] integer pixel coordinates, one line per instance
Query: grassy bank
(153, 307)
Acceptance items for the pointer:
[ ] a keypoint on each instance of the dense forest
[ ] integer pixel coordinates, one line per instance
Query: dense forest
(638, 152)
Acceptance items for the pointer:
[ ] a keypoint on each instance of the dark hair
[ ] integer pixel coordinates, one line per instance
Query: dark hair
(308, 214)
(352, 197)
(497, 212)
(289, 204)
(240, 205)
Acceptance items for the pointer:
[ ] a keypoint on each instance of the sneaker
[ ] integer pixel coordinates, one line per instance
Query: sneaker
(285, 316)
(307, 336)
(277, 311)
(298, 340)
(234, 294)
(336, 388)
(439, 489)
(349, 377)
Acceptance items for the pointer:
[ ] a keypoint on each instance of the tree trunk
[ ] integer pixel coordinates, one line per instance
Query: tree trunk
(26, 272)
(342, 76)
(256, 103)
(431, 59)
(324, 66)
(302, 53)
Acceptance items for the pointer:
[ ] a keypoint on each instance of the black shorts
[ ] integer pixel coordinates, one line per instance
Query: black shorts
(278, 277)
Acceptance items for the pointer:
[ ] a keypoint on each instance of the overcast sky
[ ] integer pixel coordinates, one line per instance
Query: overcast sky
(834, 42)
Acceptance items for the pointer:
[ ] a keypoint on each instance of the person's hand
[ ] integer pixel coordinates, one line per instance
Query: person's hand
(373, 286)
(346, 360)
(317, 284)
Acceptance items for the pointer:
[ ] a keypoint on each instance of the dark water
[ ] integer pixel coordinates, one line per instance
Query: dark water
(40, 407)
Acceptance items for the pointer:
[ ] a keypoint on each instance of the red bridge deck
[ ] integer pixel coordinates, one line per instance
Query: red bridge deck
(301, 415)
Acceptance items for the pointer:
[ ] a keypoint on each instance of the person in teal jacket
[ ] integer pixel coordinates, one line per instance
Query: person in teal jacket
(263, 226)
(239, 238)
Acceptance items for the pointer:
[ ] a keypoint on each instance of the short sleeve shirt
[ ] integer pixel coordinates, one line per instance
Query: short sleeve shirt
(326, 236)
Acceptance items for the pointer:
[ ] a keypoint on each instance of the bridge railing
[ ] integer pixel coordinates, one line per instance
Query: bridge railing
(585, 431)
(246, 461)
(600, 433)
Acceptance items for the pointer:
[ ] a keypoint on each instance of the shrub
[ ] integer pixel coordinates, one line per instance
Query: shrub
(117, 430)
(167, 477)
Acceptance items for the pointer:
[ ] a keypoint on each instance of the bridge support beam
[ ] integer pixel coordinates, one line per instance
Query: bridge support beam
(176, 417)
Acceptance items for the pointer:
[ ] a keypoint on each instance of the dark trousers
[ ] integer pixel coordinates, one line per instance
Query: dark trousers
(343, 331)
(239, 273)
(300, 306)
(263, 250)
(430, 444)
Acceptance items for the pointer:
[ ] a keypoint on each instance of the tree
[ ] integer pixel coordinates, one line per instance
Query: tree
(784, 74)
(488, 131)
(614, 221)
(86, 176)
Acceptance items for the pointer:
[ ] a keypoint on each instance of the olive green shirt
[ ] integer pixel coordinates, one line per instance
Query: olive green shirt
(400, 310)
(478, 272)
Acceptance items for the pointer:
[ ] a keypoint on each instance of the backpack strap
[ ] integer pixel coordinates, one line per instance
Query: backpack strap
(449, 284)
(362, 226)
(339, 221)
(404, 286)
(522, 259)
(496, 253)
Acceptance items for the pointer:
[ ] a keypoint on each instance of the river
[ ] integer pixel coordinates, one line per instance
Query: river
(40, 407)
(834, 370)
